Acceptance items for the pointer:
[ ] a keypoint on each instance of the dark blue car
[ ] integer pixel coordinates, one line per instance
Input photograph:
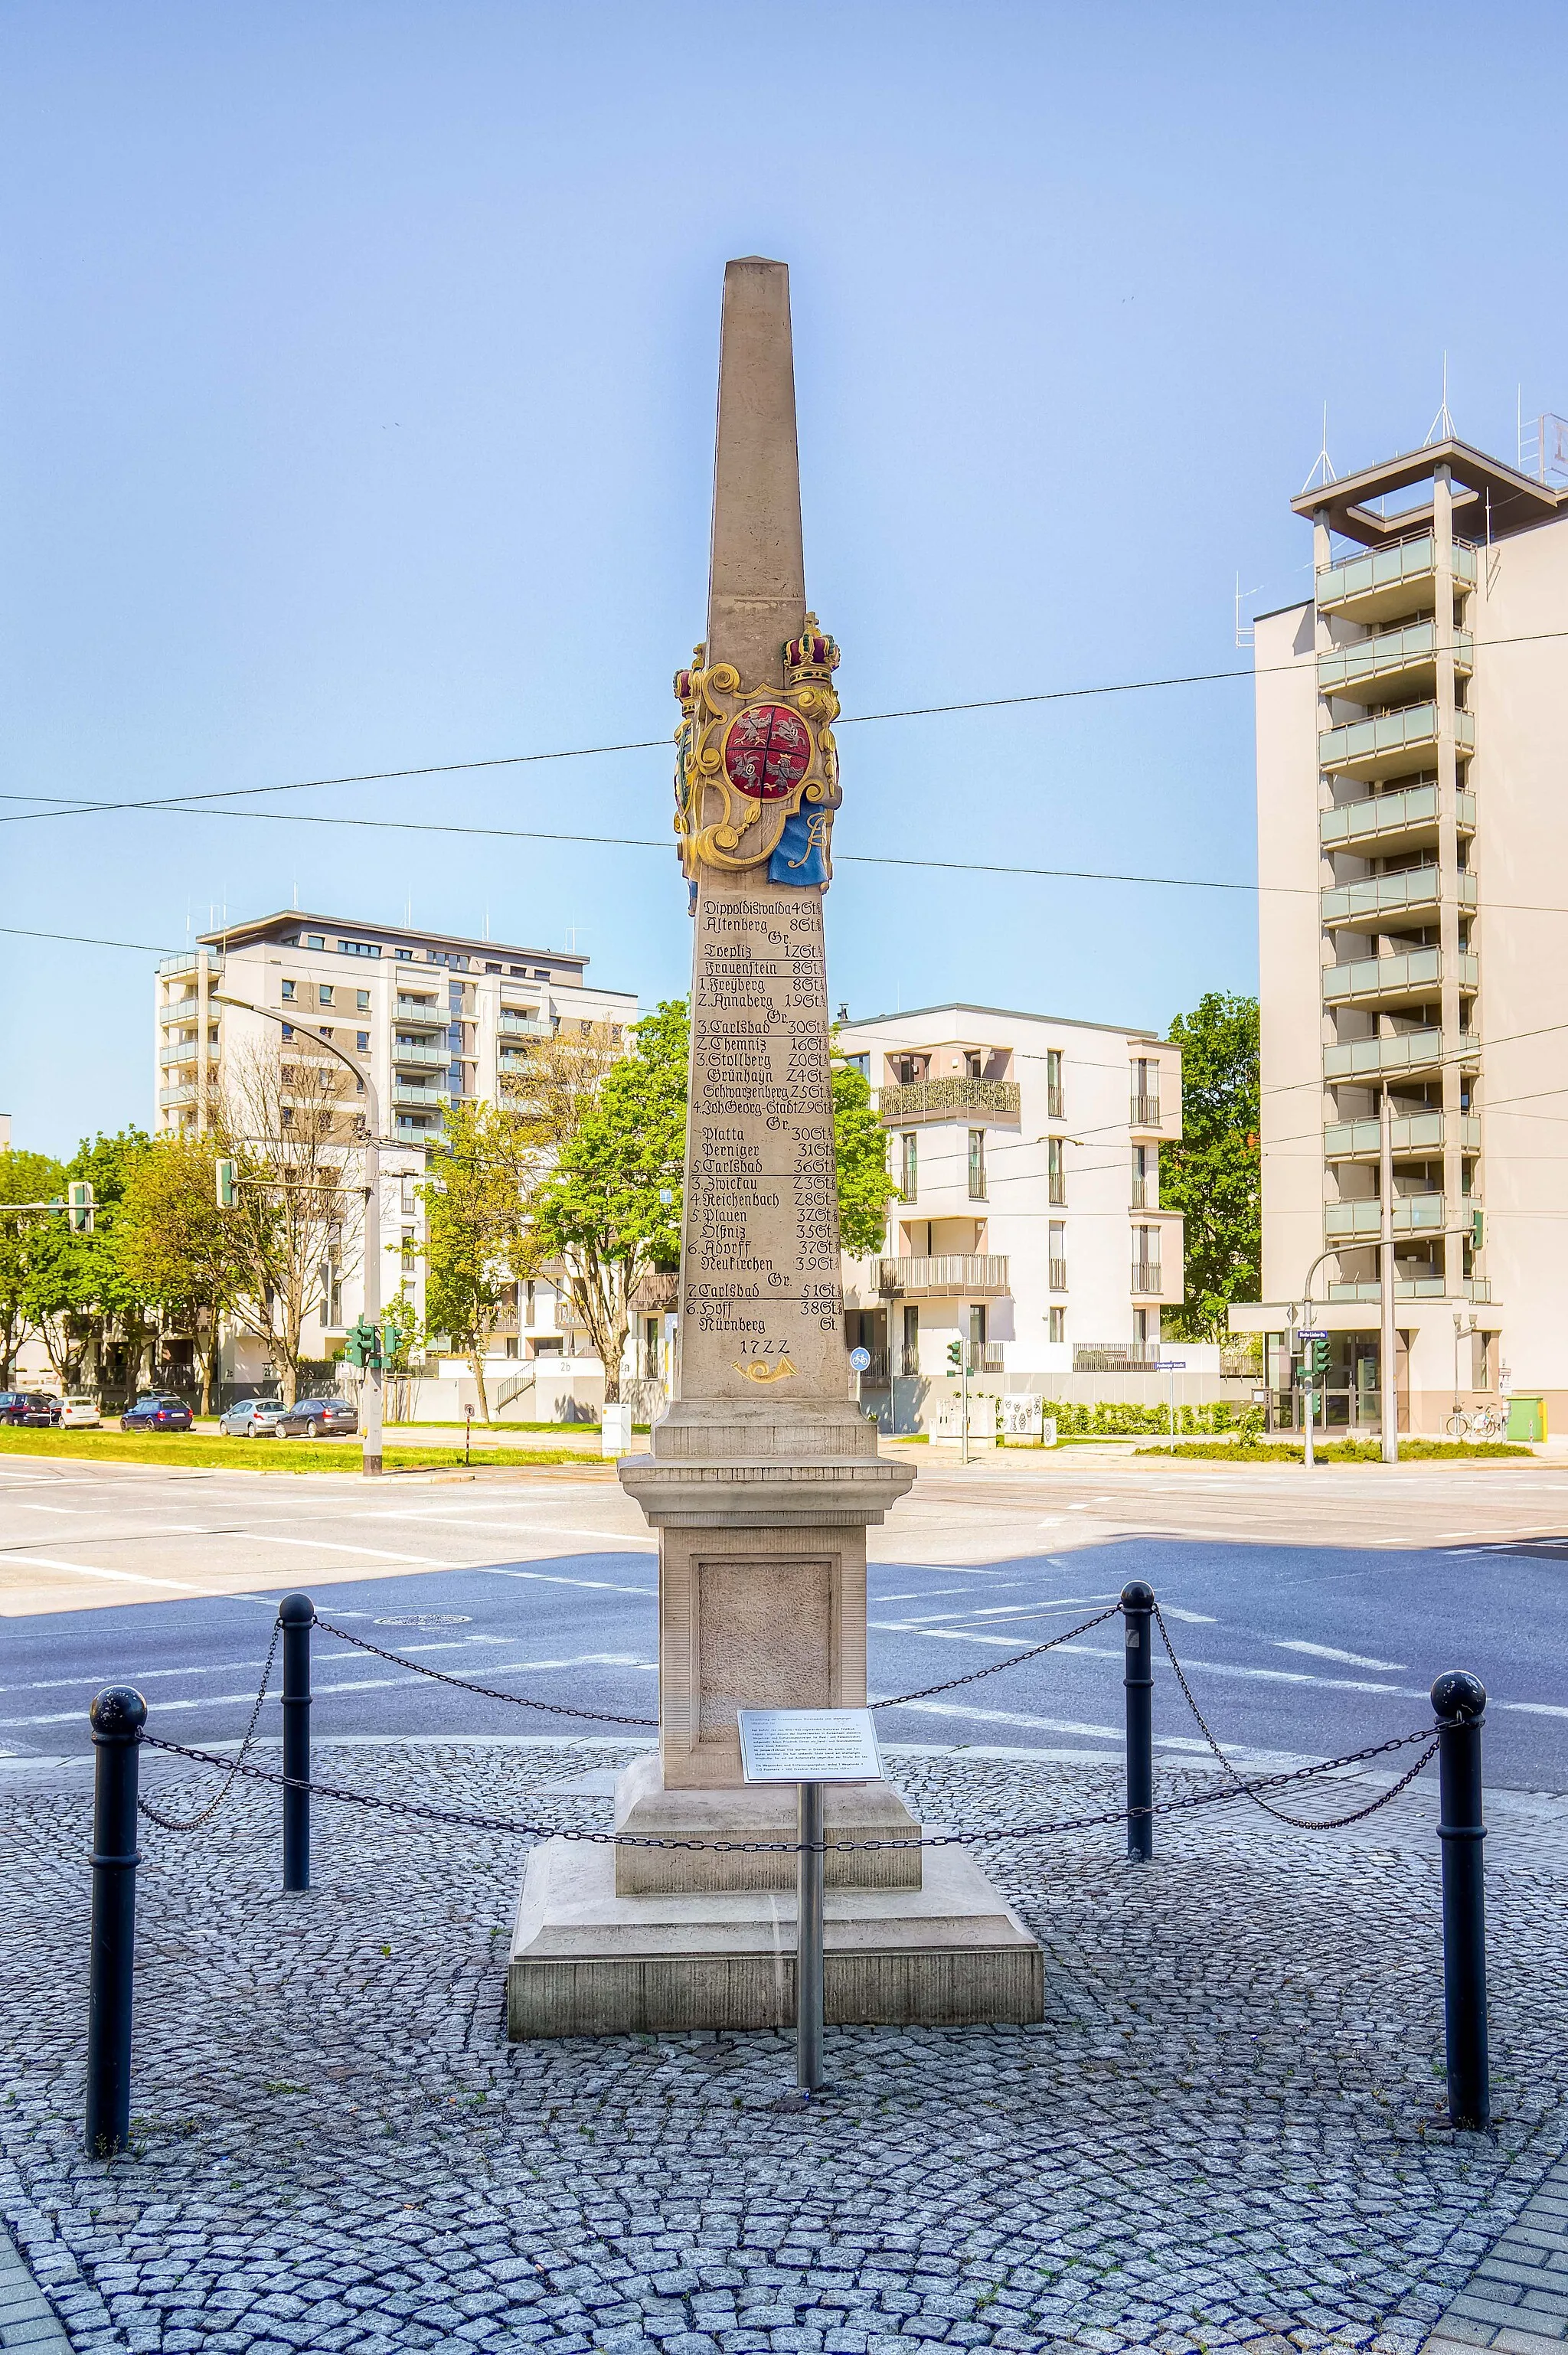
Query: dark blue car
(159, 1411)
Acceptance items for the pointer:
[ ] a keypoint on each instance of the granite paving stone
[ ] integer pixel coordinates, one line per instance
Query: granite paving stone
(1228, 2131)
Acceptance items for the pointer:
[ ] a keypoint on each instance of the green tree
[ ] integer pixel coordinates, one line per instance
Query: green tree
(81, 1300)
(479, 1232)
(177, 1248)
(1214, 1176)
(24, 1177)
(860, 1153)
(599, 1211)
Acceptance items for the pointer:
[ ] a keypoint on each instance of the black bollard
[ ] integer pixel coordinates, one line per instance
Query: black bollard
(117, 1717)
(1459, 1702)
(1137, 1610)
(297, 1613)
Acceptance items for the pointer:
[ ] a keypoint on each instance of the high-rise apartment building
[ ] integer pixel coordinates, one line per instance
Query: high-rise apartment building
(432, 1019)
(1412, 836)
(1027, 1221)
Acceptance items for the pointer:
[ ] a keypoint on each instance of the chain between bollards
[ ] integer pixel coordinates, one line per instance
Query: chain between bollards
(296, 1615)
(117, 1717)
(1137, 1610)
(1459, 1704)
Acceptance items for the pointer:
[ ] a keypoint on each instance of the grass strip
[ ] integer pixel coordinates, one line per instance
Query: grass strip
(194, 1451)
(1341, 1451)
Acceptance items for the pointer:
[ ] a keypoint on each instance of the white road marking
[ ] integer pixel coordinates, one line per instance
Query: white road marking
(543, 1578)
(1206, 1619)
(86, 1570)
(1531, 1708)
(350, 1685)
(1326, 1652)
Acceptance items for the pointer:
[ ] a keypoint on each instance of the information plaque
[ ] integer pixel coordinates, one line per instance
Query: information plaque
(809, 1745)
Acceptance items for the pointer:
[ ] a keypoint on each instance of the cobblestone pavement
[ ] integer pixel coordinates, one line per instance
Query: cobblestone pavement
(1228, 2131)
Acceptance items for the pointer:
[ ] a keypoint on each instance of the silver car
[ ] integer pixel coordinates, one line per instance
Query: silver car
(251, 1419)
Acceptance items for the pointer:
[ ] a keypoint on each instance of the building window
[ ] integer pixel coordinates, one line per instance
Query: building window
(1053, 1105)
(1058, 1323)
(409, 1197)
(404, 956)
(908, 1068)
(1145, 1260)
(861, 1063)
(1146, 1177)
(288, 1029)
(362, 1000)
(288, 991)
(1145, 1108)
(977, 1334)
(1057, 1247)
(288, 1116)
(973, 1063)
(315, 941)
(1055, 1169)
(528, 1302)
(362, 1040)
(976, 1165)
(911, 1361)
(908, 1167)
(324, 993)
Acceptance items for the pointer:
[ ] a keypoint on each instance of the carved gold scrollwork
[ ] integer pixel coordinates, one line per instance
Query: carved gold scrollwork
(718, 823)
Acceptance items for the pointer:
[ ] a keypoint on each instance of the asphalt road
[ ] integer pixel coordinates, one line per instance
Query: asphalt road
(1307, 1627)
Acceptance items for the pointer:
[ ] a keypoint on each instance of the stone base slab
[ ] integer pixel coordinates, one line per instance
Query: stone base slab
(855, 1811)
(586, 1962)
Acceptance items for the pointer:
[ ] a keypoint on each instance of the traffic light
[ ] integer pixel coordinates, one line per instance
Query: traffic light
(956, 1356)
(362, 1342)
(1477, 1229)
(1319, 1358)
(78, 1206)
(227, 1174)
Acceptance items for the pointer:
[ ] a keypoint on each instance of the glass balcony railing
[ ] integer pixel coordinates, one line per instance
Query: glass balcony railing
(967, 1276)
(1389, 654)
(1416, 1287)
(1383, 744)
(1406, 1050)
(1416, 1131)
(1383, 818)
(419, 1053)
(1390, 895)
(415, 1014)
(405, 1092)
(169, 968)
(1363, 1222)
(169, 1097)
(524, 1025)
(1384, 577)
(1371, 979)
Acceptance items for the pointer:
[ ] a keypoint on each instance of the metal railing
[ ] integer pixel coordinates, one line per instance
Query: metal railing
(1113, 1357)
(1407, 1050)
(1146, 1277)
(1389, 734)
(1392, 895)
(1056, 1279)
(1381, 816)
(1389, 568)
(1144, 1112)
(1386, 652)
(412, 1010)
(1412, 1214)
(422, 1053)
(1416, 1131)
(955, 1275)
(947, 1099)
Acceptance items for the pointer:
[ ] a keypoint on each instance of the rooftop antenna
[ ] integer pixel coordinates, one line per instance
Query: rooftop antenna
(1322, 465)
(296, 891)
(409, 912)
(1245, 632)
(1442, 426)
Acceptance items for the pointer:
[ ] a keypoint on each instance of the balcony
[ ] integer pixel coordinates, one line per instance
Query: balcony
(1417, 1132)
(1381, 747)
(956, 1099)
(1407, 657)
(1421, 1287)
(524, 1025)
(1145, 1281)
(1143, 1111)
(1388, 581)
(1414, 1214)
(1387, 981)
(1056, 1275)
(419, 1014)
(420, 1053)
(1387, 822)
(1412, 893)
(959, 1277)
(169, 1097)
(1408, 1050)
(171, 967)
(1114, 1357)
(408, 1091)
(181, 1009)
(187, 1052)
(405, 1126)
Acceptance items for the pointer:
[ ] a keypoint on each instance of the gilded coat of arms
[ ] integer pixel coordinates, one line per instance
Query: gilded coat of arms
(756, 771)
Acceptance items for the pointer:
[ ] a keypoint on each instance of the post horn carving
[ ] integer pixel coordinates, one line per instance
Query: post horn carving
(756, 769)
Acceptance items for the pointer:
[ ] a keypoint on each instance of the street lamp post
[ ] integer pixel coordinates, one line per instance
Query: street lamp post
(370, 1411)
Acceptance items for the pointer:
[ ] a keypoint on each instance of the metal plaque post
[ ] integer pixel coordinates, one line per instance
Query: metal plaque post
(808, 1944)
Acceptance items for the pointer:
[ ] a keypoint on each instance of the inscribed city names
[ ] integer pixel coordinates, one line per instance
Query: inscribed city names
(762, 1302)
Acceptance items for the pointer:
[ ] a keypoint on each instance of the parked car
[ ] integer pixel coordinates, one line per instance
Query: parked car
(318, 1418)
(30, 1409)
(251, 1419)
(158, 1411)
(78, 1413)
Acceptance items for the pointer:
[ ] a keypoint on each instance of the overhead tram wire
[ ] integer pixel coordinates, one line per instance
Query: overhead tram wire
(68, 806)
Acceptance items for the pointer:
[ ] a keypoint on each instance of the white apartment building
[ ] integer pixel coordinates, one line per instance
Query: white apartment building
(1026, 1151)
(1412, 836)
(432, 1018)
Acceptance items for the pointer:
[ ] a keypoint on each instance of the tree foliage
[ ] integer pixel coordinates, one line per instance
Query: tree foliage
(1214, 1176)
(79, 1298)
(24, 1177)
(860, 1153)
(479, 1232)
(176, 1247)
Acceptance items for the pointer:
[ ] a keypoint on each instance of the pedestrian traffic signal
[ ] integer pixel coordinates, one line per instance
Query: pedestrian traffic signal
(956, 1356)
(1477, 1229)
(80, 1205)
(228, 1177)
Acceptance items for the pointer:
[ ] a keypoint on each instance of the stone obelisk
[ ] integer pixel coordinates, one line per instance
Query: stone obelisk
(762, 1475)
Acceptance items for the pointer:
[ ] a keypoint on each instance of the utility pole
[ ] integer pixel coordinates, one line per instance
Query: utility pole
(371, 1394)
(1388, 1387)
(1309, 1369)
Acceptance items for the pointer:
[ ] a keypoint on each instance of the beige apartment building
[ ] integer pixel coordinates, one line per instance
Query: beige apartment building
(432, 1019)
(1412, 834)
(1027, 1221)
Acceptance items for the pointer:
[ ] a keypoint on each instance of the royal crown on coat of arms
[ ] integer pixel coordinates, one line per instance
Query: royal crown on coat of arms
(756, 774)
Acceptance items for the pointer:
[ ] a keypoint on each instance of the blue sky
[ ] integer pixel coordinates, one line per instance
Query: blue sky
(357, 365)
